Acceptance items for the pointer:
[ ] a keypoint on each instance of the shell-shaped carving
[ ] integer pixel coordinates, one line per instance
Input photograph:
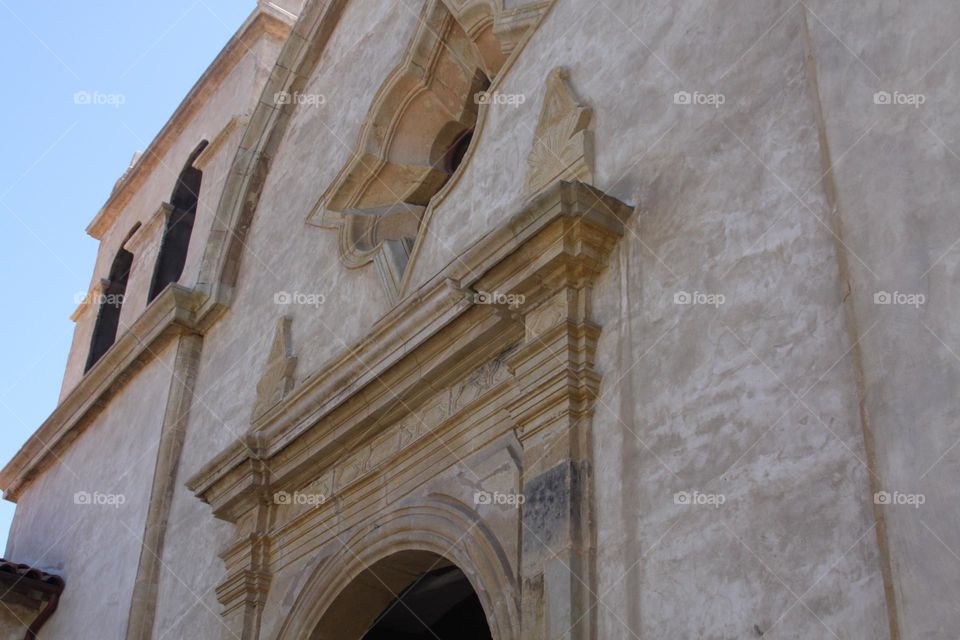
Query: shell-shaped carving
(562, 146)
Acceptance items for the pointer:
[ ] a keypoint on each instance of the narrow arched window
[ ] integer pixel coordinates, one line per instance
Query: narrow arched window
(179, 227)
(112, 292)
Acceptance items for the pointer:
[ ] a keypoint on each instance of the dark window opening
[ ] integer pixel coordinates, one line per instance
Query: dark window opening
(441, 605)
(111, 302)
(454, 157)
(179, 227)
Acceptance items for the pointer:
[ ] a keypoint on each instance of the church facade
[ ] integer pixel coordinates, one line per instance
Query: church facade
(519, 319)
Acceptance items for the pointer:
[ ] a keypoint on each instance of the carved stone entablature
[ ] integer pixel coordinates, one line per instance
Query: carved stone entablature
(392, 441)
(541, 235)
(276, 381)
(562, 145)
(448, 376)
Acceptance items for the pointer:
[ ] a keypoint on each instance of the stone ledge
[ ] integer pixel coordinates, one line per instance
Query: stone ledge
(228, 479)
(170, 314)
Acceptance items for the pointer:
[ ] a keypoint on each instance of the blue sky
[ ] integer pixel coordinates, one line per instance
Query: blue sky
(60, 160)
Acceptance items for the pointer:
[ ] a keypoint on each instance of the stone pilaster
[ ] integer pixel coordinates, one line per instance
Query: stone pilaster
(556, 387)
(143, 603)
(243, 593)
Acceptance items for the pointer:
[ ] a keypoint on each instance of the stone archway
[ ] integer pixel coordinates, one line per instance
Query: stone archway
(358, 581)
(409, 595)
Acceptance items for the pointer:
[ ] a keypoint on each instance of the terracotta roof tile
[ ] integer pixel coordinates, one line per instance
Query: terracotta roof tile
(26, 571)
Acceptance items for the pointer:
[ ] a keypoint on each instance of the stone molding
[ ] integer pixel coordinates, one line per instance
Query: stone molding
(509, 25)
(359, 198)
(376, 202)
(443, 377)
(458, 408)
(562, 145)
(409, 326)
(439, 524)
(150, 232)
(243, 593)
(276, 380)
(218, 142)
(176, 417)
(269, 121)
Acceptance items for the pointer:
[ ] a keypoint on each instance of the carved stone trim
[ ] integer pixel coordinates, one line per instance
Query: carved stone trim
(218, 141)
(501, 261)
(438, 524)
(173, 433)
(432, 87)
(243, 592)
(149, 232)
(562, 145)
(373, 181)
(452, 366)
(276, 380)
(361, 461)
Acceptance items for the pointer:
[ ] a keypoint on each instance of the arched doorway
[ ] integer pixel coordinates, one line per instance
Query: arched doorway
(410, 595)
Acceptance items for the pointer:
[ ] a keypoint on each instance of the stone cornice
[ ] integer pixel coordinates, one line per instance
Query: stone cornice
(506, 258)
(149, 229)
(170, 314)
(263, 21)
(216, 145)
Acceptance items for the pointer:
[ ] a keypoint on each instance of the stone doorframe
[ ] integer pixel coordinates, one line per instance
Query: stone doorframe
(498, 347)
(440, 527)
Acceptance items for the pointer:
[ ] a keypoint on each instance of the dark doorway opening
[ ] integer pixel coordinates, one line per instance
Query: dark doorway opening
(440, 605)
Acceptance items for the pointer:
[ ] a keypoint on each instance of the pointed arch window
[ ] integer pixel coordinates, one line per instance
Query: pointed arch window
(179, 226)
(112, 292)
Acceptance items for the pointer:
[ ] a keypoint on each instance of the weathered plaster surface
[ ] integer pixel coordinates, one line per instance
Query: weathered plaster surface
(896, 187)
(793, 400)
(96, 545)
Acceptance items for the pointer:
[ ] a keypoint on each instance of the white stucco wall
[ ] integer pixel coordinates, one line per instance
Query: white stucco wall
(756, 401)
(95, 544)
(896, 189)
